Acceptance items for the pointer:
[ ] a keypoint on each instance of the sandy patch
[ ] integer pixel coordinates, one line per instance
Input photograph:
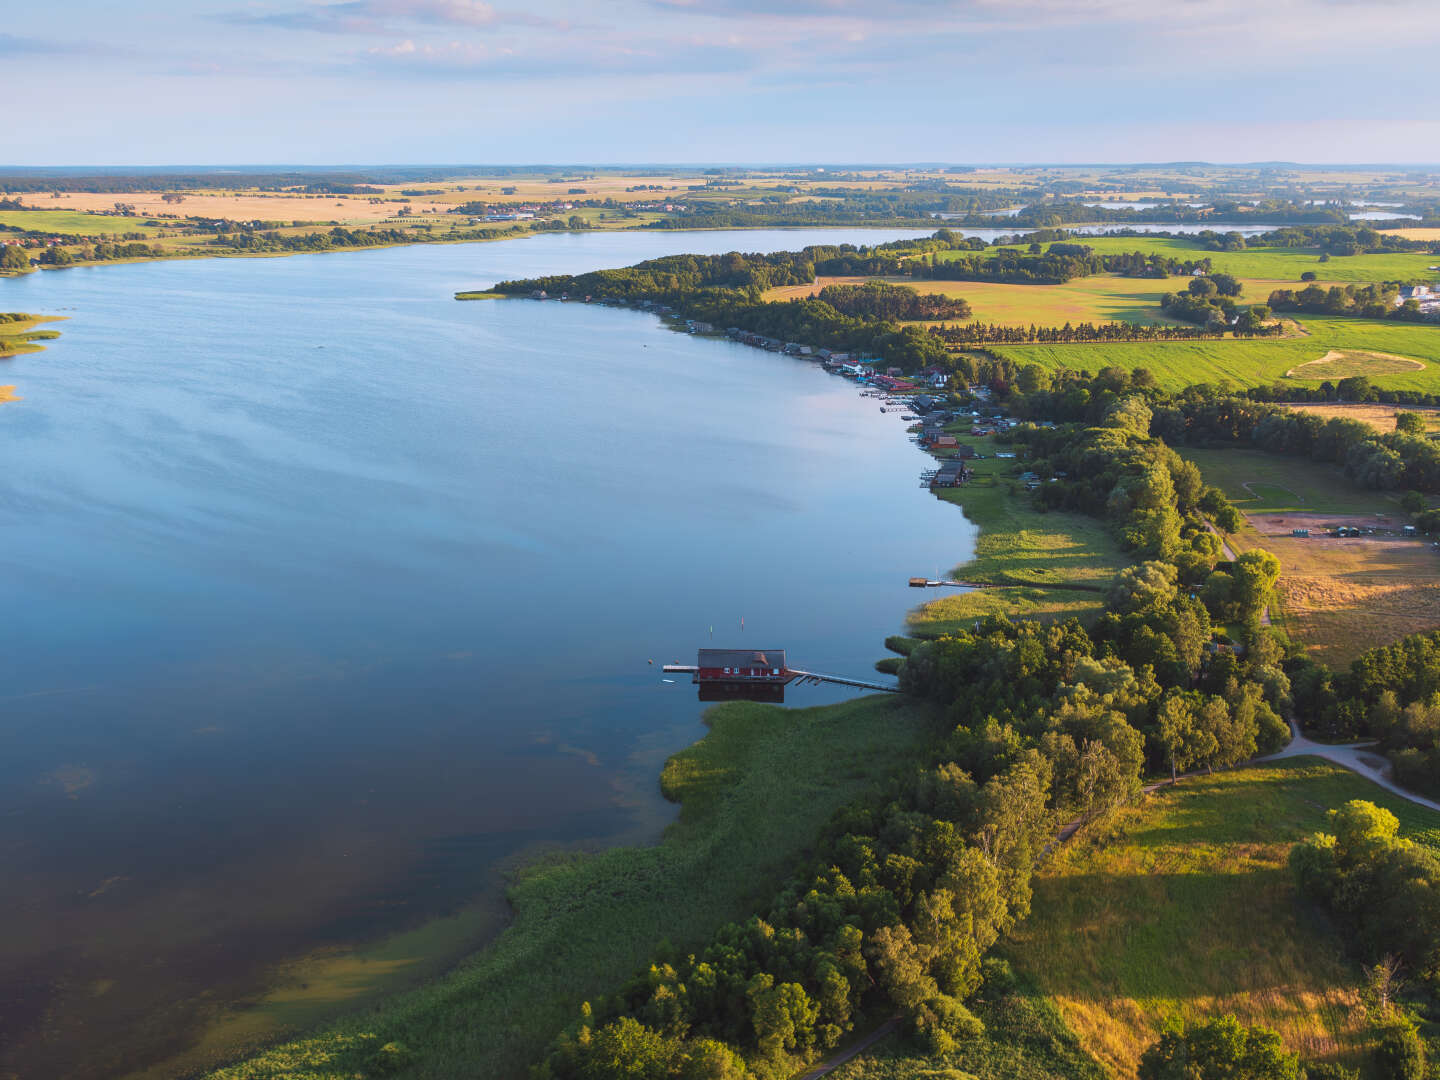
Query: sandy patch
(1343, 363)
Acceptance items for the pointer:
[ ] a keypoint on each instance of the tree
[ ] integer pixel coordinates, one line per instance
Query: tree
(1255, 574)
(1139, 588)
(1183, 741)
(1400, 1055)
(1222, 1049)
(14, 257)
(1410, 423)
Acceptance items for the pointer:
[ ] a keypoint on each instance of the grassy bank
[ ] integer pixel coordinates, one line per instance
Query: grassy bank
(1184, 905)
(19, 334)
(1053, 565)
(754, 793)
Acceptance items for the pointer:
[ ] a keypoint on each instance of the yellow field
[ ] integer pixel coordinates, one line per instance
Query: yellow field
(1339, 597)
(239, 206)
(1380, 417)
(1414, 234)
(1101, 298)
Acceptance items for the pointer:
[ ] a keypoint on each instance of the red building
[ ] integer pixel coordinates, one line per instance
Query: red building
(742, 666)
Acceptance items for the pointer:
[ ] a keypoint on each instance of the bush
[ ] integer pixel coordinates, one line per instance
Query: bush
(1399, 1055)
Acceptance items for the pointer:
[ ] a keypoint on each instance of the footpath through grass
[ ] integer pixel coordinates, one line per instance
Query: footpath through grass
(1053, 564)
(1184, 905)
(754, 794)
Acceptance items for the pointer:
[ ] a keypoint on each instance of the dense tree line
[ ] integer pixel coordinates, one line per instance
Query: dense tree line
(879, 300)
(1369, 301)
(726, 290)
(978, 333)
(1210, 301)
(334, 239)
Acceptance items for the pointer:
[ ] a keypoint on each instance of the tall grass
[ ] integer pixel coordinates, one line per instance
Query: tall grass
(1184, 906)
(754, 794)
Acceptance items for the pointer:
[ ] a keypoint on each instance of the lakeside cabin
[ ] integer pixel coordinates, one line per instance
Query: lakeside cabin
(742, 665)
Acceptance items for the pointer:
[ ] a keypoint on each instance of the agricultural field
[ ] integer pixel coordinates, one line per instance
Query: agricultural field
(1379, 417)
(1337, 596)
(1259, 361)
(1053, 564)
(1283, 266)
(1135, 920)
(235, 205)
(76, 223)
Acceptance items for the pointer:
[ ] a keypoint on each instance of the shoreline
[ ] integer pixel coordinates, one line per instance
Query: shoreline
(920, 226)
(564, 872)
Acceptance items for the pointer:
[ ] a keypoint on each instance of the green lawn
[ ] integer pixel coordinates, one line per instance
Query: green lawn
(75, 223)
(1280, 482)
(1253, 362)
(1185, 906)
(1036, 553)
(755, 793)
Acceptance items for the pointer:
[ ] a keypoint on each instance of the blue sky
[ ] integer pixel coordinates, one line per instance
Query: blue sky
(554, 81)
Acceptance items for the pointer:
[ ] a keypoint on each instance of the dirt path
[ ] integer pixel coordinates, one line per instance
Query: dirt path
(859, 1048)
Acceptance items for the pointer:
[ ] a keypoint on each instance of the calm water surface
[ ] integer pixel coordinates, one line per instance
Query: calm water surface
(328, 593)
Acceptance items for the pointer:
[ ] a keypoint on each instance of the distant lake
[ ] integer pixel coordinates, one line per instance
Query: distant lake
(1181, 228)
(327, 594)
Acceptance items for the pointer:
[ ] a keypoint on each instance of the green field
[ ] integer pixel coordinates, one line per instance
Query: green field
(1038, 553)
(75, 223)
(1184, 906)
(1252, 362)
(1282, 482)
(755, 792)
(1271, 264)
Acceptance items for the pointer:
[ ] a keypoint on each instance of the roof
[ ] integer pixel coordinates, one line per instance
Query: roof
(742, 658)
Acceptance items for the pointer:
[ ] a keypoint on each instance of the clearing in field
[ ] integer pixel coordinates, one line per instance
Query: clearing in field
(1257, 482)
(1345, 363)
(1337, 596)
(1340, 596)
(1136, 922)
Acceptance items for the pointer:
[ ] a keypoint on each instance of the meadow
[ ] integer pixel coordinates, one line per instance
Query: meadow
(1258, 482)
(1135, 921)
(754, 794)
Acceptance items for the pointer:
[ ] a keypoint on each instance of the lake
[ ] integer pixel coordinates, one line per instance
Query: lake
(331, 596)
